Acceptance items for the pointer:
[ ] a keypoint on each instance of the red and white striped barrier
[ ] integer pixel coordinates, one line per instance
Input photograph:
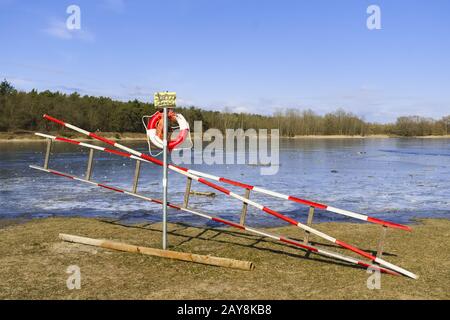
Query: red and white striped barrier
(310, 203)
(223, 221)
(228, 192)
(248, 186)
(140, 156)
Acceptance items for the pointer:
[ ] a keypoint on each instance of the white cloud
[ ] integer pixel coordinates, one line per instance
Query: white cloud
(58, 29)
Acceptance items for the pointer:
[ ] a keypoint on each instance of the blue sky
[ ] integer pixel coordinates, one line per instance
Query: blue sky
(248, 55)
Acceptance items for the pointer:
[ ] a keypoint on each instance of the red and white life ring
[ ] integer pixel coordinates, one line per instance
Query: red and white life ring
(157, 141)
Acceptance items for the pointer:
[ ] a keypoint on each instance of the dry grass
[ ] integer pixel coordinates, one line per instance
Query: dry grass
(33, 263)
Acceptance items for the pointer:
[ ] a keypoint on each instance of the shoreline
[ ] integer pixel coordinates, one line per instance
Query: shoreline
(6, 137)
(12, 137)
(288, 273)
(372, 136)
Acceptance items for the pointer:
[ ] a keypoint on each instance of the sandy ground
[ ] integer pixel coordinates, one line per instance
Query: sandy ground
(33, 263)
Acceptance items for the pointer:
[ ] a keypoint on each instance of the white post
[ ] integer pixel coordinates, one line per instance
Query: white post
(165, 100)
(164, 181)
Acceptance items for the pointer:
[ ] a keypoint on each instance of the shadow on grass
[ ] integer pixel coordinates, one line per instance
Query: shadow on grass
(201, 235)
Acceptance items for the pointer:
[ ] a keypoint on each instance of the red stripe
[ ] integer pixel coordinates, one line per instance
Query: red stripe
(389, 224)
(377, 268)
(168, 204)
(110, 142)
(215, 186)
(151, 159)
(236, 183)
(279, 215)
(151, 124)
(173, 206)
(60, 174)
(181, 168)
(364, 264)
(120, 153)
(352, 248)
(307, 202)
(110, 188)
(179, 139)
(54, 120)
(228, 223)
(67, 140)
(295, 243)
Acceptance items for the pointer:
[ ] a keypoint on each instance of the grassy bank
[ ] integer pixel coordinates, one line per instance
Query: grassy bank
(33, 263)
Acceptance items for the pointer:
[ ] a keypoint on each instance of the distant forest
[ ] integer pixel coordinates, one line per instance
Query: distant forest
(23, 111)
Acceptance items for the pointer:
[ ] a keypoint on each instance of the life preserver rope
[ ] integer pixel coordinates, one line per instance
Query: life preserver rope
(157, 141)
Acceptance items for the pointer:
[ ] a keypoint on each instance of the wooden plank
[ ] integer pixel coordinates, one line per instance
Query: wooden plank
(202, 193)
(309, 223)
(47, 153)
(187, 192)
(190, 257)
(137, 171)
(89, 165)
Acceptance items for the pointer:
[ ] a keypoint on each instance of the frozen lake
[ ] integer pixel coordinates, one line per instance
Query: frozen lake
(393, 179)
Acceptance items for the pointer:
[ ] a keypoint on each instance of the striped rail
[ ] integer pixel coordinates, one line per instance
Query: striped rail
(283, 239)
(139, 156)
(143, 157)
(310, 203)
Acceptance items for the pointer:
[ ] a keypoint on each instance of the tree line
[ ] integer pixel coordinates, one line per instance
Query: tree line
(21, 110)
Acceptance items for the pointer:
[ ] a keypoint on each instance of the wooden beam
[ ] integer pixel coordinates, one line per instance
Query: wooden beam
(187, 192)
(90, 164)
(47, 153)
(190, 257)
(137, 171)
(309, 223)
(202, 193)
(244, 208)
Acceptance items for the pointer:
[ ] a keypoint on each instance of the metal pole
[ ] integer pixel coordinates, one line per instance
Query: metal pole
(164, 181)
